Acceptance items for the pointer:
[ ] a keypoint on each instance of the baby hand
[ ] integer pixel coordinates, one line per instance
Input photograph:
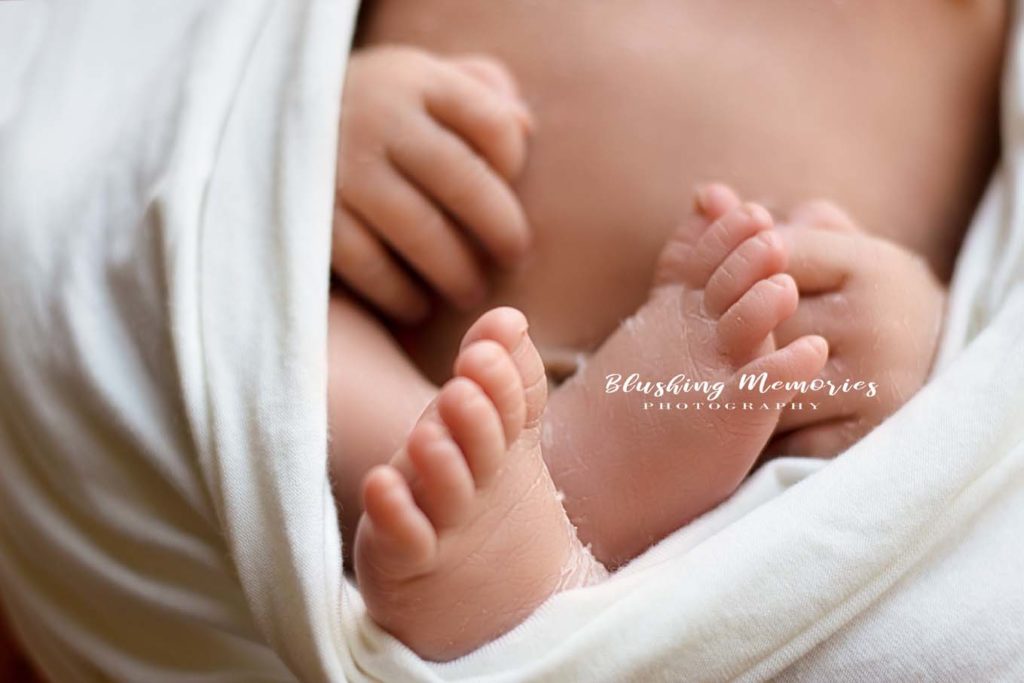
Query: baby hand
(880, 308)
(427, 149)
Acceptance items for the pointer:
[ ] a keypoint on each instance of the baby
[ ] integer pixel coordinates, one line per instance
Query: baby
(475, 506)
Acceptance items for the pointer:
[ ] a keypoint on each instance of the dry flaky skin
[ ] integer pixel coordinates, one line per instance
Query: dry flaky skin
(464, 533)
(632, 475)
(435, 560)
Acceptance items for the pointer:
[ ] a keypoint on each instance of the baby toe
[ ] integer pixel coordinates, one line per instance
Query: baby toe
(800, 361)
(757, 258)
(676, 263)
(444, 486)
(505, 325)
(490, 366)
(723, 237)
(475, 426)
(746, 325)
(394, 531)
(508, 327)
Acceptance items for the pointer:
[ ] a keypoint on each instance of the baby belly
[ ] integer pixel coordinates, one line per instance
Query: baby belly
(638, 102)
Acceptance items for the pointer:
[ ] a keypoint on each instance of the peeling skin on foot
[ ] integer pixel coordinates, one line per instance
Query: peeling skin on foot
(626, 456)
(629, 476)
(475, 510)
(581, 568)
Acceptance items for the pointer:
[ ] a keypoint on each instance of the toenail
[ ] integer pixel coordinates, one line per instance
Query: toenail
(488, 360)
(488, 350)
(461, 385)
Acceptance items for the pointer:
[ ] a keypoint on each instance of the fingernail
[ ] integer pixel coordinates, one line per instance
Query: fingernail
(700, 203)
(706, 196)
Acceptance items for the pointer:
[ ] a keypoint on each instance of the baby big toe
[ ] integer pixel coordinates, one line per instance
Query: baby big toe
(490, 366)
(745, 326)
(508, 327)
(757, 258)
(723, 237)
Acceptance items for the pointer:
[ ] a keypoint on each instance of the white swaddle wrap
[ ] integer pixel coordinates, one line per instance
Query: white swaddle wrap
(166, 181)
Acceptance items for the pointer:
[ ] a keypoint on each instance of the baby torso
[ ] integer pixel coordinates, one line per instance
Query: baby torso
(887, 108)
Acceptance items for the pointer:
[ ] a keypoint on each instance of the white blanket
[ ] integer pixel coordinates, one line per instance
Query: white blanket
(166, 179)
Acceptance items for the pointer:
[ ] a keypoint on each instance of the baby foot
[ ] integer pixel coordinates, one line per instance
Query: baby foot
(463, 534)
(633, 472)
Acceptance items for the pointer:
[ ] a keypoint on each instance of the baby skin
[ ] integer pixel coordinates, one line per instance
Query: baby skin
(485, 509)
(468, 507)
(719, 293)
(463, 533)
